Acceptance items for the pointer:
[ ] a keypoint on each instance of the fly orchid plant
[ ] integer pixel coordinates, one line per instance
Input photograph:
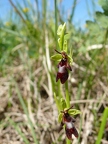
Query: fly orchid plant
(64, 59)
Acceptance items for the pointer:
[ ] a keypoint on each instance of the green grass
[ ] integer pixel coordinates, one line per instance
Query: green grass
(102, 126)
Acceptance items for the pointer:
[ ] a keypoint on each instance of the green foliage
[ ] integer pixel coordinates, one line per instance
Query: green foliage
(99, 27)
(102, 126)
(101, 20)
(104, 4)
(62, 40)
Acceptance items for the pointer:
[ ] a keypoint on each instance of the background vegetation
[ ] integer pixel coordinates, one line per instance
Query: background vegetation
(28, 113)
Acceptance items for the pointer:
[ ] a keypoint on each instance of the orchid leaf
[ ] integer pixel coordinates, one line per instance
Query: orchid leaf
(60, 33)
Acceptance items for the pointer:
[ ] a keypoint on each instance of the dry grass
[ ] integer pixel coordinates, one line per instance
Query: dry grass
(42, 112)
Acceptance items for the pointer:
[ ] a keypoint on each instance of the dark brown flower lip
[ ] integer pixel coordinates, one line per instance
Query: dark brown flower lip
(62, 76)
(63, 68)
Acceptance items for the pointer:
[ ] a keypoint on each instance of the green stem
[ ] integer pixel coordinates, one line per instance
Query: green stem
(56, 26)
(80, 130)
(56, 23)
(67, 141)
(102, 127)
(57, 100)
(67, 95)
(67, 103)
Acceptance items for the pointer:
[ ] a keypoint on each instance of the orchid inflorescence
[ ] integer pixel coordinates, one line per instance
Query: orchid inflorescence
(66, 119)
(64, 59)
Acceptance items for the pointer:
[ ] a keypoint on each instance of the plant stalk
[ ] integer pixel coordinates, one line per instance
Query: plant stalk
(67, 95)
(102, 127)
(67, 103)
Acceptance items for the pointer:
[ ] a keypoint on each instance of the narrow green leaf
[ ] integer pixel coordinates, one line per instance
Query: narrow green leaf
(59, 31)
(63, 103)
(102, 127)
(12, 32)
(60, 116)
(57, 100)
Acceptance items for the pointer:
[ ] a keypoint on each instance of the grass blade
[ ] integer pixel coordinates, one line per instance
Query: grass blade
(56, 23)
(26, 112)
(19, 131)
(102, 127)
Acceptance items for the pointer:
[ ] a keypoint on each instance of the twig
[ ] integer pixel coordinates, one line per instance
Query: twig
(96, 46)
(17, 10)
(86, 101)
